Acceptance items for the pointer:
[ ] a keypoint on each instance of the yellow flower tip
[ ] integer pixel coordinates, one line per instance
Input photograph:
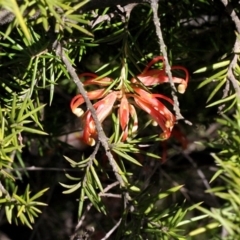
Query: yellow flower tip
(168, 124)
(154, 123)
(91, 142)
(181, 88)
(134, 80)
(78, 112)
(165, 135)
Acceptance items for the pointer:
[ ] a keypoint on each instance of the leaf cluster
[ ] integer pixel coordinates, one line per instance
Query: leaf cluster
(23, 208)
(226, 217)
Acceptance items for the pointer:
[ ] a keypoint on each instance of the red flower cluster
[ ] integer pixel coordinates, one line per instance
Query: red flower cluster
(148, 102)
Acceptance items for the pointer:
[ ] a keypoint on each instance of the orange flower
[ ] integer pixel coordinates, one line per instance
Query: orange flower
(148, 102)
(103, 108)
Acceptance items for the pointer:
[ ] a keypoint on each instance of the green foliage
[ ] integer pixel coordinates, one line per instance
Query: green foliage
(149, 220)
(16, 118)
(23, 208)
(28, 66)
(217, 82)
(227, 215)
(62, 13)
(36, 87)
(89, 183)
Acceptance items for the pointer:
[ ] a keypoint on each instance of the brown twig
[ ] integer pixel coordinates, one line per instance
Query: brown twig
(236, 50)
(183, 190)
(232, 14)
(80, 222)
(232, 65)
(202, 176)
(156, 20)
(124, 12)
(112, 230)
(101, 135)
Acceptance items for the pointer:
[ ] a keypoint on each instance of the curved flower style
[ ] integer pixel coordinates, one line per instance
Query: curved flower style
(150, 77)
(148, 102)
(79, 100)
(156, 109)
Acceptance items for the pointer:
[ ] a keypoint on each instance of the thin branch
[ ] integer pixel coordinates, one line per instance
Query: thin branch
(112, 230)
(232, 66)
(80, 222)
(157, 23)
(122, 11)
(225, 94)
(156, 20)
(110, 195)
(90, 162)
(201, 175)
(4, 191)
(101, 135)
(232, 14)
(236, 50)
(183, 190)
(96, 4)
(34, 168)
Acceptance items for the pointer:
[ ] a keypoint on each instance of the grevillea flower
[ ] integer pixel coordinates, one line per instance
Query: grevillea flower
(148, 102)
(103, 108)
(150, 77)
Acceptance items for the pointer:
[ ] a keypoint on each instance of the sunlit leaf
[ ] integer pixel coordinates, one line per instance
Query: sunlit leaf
(73, 189)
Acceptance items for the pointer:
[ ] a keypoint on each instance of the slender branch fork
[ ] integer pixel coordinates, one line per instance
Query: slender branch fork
(112, 230)
(101, 135)
(104, 193)
(236, 50)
